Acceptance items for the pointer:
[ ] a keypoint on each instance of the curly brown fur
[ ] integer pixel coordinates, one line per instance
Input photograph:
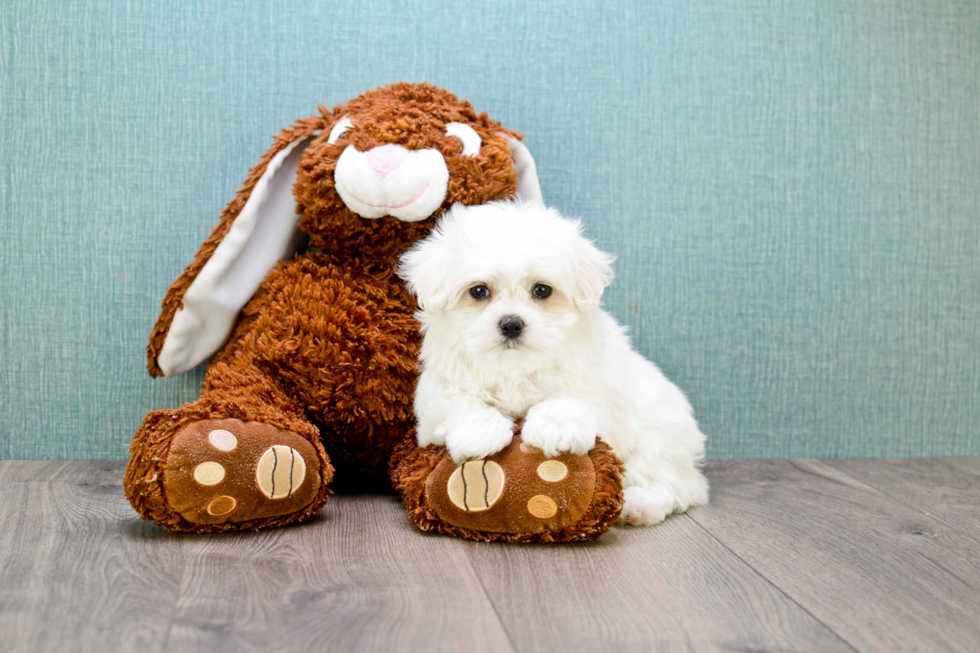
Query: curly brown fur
(337, 339)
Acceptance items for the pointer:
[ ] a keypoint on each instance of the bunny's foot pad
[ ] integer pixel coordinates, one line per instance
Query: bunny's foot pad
(229, 471)
(516, 495)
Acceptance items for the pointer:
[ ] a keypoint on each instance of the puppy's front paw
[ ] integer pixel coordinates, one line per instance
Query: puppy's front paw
(561, 425)
(475, 431)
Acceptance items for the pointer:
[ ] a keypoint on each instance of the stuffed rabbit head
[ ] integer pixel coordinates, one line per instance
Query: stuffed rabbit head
(366, 179)
(397, 156)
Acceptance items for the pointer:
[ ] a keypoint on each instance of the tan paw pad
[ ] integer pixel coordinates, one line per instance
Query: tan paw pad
(221, 505)
(476, 485)
(223, 440)
(541, 506)
(209, 473)
(552, 471)
(280, 472)
(529, 448)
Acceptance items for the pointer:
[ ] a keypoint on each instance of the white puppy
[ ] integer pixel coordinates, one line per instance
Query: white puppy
(513, 330)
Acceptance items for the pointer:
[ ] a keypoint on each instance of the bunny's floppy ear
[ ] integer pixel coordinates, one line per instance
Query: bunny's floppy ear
(528, 187)
(257, 229)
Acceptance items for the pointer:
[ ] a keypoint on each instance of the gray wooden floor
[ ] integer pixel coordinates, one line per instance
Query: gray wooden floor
(868, 555)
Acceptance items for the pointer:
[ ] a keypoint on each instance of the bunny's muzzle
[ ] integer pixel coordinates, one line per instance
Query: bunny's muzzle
(390, 180)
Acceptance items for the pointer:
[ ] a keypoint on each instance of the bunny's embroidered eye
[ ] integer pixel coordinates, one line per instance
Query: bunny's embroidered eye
(339, 129)
(466, 134)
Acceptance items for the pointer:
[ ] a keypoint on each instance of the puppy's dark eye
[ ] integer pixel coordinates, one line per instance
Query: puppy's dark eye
(541, 291)
(479, 292)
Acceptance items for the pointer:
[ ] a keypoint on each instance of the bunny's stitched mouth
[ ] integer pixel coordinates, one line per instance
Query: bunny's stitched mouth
(382, 206)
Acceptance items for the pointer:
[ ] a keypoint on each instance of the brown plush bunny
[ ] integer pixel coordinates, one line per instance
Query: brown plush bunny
(314, 354)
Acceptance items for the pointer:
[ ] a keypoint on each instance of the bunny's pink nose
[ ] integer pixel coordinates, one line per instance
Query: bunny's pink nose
(385, 159)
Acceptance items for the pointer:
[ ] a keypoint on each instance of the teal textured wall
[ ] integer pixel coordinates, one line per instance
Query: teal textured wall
(791, 187)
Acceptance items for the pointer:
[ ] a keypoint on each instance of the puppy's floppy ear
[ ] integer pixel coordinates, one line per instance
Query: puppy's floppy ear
(528, 187)
(257, 229)
(426, 267)
(592, 272)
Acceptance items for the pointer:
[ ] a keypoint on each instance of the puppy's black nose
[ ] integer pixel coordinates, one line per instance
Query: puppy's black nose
(511, 326)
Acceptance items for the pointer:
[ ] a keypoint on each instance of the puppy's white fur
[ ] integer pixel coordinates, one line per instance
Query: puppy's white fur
(571, 376)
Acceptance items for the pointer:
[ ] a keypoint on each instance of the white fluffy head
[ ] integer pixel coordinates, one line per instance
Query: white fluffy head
(510, 248)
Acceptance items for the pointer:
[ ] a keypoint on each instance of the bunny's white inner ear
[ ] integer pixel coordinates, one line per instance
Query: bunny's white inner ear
(263, 234)
(528, 187)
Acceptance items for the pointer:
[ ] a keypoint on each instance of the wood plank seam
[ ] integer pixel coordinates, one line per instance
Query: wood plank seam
(917, 508)
(774, 585)
(496, 612)
(886, 576)
(888, 496)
